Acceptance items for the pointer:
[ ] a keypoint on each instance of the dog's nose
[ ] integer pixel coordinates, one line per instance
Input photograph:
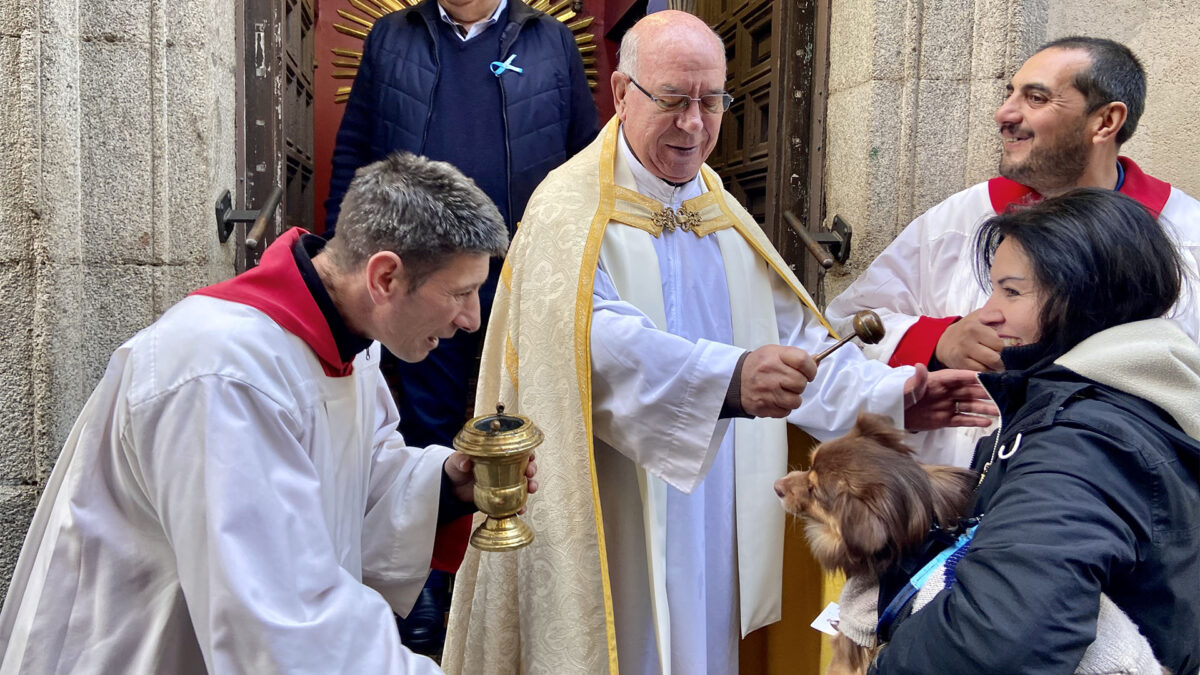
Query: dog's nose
(779, 489)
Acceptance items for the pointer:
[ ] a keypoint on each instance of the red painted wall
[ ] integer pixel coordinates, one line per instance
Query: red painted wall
(327, 115)
(608, 14)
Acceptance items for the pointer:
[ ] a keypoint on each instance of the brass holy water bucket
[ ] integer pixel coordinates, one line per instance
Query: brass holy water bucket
(499, 445)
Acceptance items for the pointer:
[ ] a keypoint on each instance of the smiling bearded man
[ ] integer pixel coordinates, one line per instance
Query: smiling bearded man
(1069, 109)
(647, 325)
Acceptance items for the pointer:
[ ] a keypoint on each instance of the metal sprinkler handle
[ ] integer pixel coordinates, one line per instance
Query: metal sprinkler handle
(868, 327)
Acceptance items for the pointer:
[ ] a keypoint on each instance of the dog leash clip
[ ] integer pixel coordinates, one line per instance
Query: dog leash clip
(950, 534)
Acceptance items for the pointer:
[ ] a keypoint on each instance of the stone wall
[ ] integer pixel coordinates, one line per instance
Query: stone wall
(913, 86)
(116, 135)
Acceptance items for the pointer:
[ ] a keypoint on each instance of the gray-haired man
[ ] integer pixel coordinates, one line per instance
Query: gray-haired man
(235, 496)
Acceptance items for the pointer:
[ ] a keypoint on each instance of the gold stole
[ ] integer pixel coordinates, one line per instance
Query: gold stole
(700, 215)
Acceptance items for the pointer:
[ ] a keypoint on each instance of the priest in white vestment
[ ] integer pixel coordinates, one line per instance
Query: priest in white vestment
(235, 497)
(647, 325)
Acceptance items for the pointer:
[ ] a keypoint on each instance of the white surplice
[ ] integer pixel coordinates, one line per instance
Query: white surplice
(661, 366)
(222, 505)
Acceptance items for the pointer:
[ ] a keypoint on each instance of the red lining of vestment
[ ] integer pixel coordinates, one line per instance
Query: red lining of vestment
(1150, 191)
(276, 289)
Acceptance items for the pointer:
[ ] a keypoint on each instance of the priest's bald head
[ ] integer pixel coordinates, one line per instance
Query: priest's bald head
(669, 91)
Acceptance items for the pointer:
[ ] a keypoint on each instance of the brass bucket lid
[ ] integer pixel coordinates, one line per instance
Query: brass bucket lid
(497, 435)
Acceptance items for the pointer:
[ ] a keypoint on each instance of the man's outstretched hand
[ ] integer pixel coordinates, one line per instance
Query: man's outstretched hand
(946, 398)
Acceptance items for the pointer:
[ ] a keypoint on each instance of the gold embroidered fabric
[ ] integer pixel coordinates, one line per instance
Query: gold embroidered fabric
(700, 215)
(545, 608)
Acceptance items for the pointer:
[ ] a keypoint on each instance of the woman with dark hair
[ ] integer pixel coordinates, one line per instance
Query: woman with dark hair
(1089, 485)
(1099, 258)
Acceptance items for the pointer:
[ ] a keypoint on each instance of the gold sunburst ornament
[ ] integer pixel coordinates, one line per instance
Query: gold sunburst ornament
(346, 61)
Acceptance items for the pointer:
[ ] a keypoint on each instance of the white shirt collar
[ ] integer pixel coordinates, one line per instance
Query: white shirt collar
(654, 187)
(477, 27)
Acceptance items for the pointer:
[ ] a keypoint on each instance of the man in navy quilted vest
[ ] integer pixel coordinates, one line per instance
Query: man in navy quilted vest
(497, 89)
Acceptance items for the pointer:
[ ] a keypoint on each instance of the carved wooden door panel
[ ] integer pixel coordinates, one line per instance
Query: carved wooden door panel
(275, 130)
(766, 152)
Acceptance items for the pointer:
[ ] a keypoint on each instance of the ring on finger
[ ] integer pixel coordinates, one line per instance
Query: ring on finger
(957, 410)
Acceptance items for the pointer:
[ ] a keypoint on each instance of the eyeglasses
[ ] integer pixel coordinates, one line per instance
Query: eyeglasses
(713, 104)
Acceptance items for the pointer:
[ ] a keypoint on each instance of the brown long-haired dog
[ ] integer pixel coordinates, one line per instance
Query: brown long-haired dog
(866, 502)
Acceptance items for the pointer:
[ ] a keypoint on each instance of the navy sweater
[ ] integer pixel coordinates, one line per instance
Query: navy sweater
(468, 129)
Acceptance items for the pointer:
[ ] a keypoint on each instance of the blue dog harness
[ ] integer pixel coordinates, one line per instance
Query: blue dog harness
(949, 557)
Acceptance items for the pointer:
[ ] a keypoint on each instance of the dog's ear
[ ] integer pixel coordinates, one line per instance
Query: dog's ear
(880, 429)
(952, 489)
(863, 532)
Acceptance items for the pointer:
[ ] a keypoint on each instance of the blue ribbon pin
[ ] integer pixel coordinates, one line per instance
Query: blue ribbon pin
(498, 68)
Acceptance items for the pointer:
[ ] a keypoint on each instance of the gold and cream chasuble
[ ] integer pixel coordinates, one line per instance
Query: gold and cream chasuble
(627, 562)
